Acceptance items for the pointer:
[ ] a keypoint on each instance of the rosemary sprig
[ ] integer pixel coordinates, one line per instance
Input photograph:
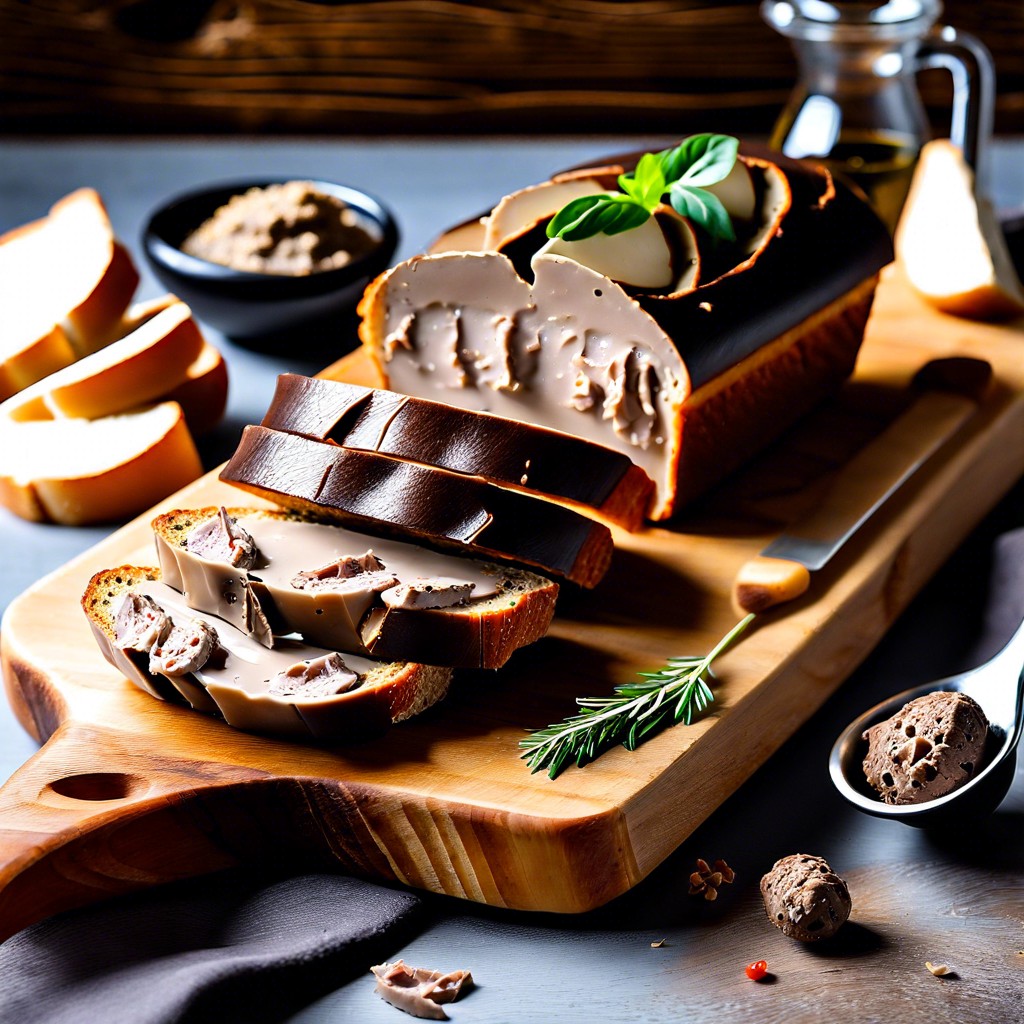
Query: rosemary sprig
(673, 694)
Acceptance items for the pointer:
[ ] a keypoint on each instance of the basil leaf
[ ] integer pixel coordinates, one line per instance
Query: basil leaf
(570, 215)
(592, 215)
(702, 208)
(646, 183)
(700, 159)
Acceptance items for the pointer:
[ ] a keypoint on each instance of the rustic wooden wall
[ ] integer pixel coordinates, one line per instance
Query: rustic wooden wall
(420, 65)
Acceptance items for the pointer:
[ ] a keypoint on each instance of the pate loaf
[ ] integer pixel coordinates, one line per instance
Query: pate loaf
(688, 364)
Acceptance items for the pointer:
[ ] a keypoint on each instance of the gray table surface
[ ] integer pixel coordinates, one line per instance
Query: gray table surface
(602, 963)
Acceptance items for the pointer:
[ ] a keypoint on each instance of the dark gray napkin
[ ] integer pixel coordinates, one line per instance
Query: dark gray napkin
(230, 947)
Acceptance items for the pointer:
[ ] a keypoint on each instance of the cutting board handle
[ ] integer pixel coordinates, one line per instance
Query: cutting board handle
(83, 820)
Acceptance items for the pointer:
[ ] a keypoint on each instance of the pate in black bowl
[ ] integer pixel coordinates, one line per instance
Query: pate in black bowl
(265, 309)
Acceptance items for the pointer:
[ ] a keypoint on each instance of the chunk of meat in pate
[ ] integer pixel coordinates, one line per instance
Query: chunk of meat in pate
(185, 649)
(429, 592)
(350, 572)
(321, 677)
(419, 991)
(140, 623)
(221, 539)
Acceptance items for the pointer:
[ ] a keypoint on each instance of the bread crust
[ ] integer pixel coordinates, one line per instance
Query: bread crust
(481, 635)
(430, 506)
(392, 692)
(506, 452)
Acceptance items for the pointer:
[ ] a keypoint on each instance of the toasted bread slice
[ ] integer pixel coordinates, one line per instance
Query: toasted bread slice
(65, 283)
(433, 507)
(387, 692)
(76, 472)
(517, 455)
(153, 358)
(513, 608)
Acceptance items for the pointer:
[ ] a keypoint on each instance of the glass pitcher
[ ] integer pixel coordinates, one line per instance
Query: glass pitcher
(856, 105)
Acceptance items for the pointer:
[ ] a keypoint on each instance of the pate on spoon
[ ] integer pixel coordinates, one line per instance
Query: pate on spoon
(998, 687)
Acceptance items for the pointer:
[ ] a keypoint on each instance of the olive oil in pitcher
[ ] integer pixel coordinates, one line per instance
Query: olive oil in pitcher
(856, 107)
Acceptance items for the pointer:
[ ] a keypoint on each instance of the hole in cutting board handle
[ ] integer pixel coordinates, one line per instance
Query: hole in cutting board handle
(97, 786)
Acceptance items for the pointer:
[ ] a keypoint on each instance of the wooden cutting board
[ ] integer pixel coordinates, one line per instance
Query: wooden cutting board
(128, 792)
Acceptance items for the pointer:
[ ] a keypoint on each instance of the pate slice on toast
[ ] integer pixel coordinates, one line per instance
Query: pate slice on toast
(144, 628)
(512, 454)
(273, 574)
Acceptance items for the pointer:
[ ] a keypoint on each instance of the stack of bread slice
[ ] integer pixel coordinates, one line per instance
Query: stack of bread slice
(409, 531)
(101, 401)
(280, 623)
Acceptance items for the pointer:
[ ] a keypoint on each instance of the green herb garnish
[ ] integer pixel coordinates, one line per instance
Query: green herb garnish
(671, 695)
(682, 172)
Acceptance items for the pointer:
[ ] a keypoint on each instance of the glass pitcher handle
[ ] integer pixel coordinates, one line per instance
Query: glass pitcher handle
(967, 59)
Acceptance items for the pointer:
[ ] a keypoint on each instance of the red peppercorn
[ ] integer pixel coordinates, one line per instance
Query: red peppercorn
(757, 970)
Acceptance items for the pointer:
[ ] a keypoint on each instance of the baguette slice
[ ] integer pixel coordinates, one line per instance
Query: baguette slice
(430, 506)
(203, 391)
(78, 472)
(389, 692)
(483, 633)
(65, 283)
(203, 394)
(506, 452)
(140, 367)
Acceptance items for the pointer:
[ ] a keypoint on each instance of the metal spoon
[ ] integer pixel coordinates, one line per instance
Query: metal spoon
(998, 686)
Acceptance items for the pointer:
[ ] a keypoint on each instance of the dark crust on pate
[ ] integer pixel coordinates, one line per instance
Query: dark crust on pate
(460, 637)
(828, 242)
(500, 450)
(434, 507)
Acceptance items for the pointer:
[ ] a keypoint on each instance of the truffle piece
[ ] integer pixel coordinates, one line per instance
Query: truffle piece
(805, 898)
(929, 747)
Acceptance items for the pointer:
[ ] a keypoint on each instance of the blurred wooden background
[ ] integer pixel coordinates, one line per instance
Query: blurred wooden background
(373, 66)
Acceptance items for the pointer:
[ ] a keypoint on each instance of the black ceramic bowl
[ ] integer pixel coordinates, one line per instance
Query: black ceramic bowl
(253, 306)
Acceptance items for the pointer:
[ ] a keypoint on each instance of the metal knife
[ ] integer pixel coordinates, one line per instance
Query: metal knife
(949, 393)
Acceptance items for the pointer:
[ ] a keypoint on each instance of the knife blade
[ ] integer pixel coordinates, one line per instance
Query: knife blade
(949, 391)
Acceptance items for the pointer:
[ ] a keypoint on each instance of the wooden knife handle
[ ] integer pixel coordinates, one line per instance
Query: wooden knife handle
(763, 582)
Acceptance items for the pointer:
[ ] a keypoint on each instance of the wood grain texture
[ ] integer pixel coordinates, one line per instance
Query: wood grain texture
(666, 66)
(128, 791)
